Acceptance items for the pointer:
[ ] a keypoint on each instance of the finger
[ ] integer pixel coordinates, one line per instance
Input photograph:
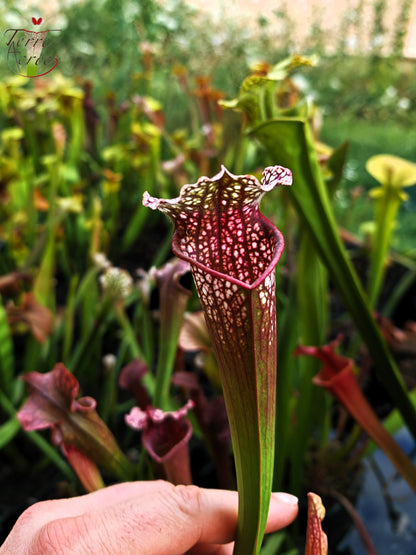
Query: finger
(218, 511)
(212, 549)
(283, 510)
(39, 514)
(106, 497)
(163, 522)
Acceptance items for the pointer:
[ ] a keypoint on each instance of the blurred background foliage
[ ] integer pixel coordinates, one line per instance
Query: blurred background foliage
(133, 106)
(366, 94)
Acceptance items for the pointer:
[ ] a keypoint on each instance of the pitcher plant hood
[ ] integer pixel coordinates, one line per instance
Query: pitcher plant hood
(232, 249)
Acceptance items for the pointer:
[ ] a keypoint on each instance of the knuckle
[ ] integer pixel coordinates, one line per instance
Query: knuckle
(69, 535)
(36, 511)
(51, 538)
(188, 499)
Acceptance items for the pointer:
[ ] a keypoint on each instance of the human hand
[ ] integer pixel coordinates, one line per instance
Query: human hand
(138, 518)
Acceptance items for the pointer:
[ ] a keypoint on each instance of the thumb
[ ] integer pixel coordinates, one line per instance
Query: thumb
(176, 518)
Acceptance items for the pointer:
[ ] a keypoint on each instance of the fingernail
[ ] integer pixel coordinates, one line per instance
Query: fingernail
(287, 498)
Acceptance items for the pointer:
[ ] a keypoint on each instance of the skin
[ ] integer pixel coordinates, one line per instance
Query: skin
(138, 517)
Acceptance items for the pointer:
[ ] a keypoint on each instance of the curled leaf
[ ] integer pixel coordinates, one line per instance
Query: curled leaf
(337, 376)
(316, 539)
(213, 422)
(173, 298)
(165, 437)
(53, 404)
(194, 336)
(131, 379)
(86, 470)
(10, 284)
(34, 314)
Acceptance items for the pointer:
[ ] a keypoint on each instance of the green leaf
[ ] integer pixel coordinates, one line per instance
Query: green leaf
(387, 205)
(336, 164)
(6, 352)
(256, 97)
(43, 286)
(174, 298)
(274, 544)
(8, 431)
(290, 142)
(313, 311)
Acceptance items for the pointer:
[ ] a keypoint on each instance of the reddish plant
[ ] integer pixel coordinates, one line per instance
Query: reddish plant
(131, 379)
(316, 540)
(337, 376)
(233, 250)
(173, 299)
(76, 427)
(212, 419)
(165, 437)
(37, 317)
